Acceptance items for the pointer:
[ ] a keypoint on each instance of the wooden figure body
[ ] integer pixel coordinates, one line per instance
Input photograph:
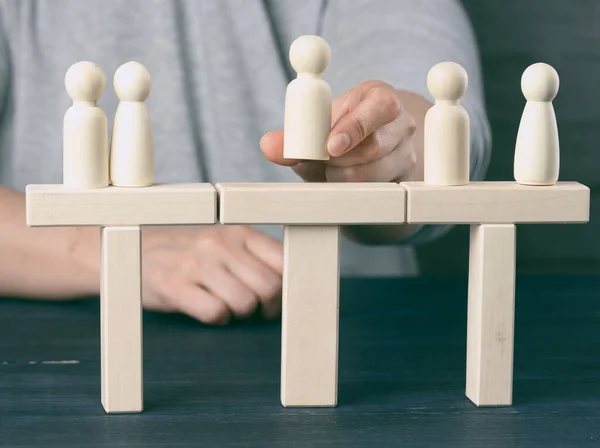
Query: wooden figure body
(308, 101)
(132, 145)
(537, 149)
(85, 129)
(447, 127)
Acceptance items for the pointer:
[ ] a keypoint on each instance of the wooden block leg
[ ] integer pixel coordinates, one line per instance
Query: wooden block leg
(121, 316)
(309, 348)
(490, 328)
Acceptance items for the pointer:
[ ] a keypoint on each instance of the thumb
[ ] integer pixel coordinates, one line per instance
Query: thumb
(271, 146)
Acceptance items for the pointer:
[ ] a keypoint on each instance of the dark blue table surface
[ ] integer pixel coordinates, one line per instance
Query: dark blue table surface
(401, 375)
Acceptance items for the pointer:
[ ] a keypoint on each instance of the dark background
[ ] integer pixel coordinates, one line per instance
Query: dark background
(512, 35)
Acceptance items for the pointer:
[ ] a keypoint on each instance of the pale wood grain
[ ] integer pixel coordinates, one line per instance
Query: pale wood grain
(496, 202)
(491, 313)
(161, 204)
(309, 346)
(132, 143)
(85, 128)
(537, 149)
(447, 134)
(307, 110)
(311, 203)
(121, 315)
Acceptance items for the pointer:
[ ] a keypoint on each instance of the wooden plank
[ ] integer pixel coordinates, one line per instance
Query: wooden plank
(309, 347)
(121, 320)
(497, 203)
(491, 309)
(162, 204)
(311, 203)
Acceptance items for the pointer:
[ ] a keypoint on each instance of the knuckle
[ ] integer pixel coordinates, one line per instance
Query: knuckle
(367, 86)
(270, 289)
(245, 305)
(409, 126)
(212, 242)
(374, 84)
(412, 124)
(412, 159)
(390, 102)
(374, 149)
(216, 314)
(363, 128)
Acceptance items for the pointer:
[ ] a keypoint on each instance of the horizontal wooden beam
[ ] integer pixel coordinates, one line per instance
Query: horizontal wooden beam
(161, 204)
(496, 203)
(311, 203)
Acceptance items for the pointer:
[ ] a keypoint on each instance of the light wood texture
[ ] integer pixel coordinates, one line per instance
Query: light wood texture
(309, 346)
(311, 203)
(132, 144)
(497, 202)
(85, 129)
(537, 152)
(121, 320)
(168, 204)
(491, 312)
(447, 129)
(308, 98)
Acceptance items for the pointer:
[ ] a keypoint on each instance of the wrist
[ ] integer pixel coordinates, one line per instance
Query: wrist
(84, 250)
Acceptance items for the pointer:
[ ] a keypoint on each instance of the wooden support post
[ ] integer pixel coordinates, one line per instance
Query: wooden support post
(121, 329)
(309, 348)
(120, 211)
(491, 311)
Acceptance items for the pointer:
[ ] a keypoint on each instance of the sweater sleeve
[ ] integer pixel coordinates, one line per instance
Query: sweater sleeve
(398, 41)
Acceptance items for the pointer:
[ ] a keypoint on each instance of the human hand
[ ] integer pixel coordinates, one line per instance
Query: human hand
(370, 139)
(211, 273)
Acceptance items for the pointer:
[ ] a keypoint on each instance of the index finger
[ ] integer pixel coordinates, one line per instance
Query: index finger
(379, 107)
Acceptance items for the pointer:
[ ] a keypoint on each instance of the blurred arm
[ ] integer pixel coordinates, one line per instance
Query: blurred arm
(45, 262)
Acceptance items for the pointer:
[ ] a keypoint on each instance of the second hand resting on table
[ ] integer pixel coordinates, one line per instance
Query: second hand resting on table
(216, 273)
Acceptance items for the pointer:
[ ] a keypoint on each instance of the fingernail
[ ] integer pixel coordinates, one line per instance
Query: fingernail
(261, 140)
(338, 144)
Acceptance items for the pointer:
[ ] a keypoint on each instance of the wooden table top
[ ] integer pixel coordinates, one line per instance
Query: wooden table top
(401, 375)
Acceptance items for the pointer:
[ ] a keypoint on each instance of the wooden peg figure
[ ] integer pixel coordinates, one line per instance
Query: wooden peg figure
(447, 127)
(537, 151)
(308, 101)
(85, 129)
(132, 144)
